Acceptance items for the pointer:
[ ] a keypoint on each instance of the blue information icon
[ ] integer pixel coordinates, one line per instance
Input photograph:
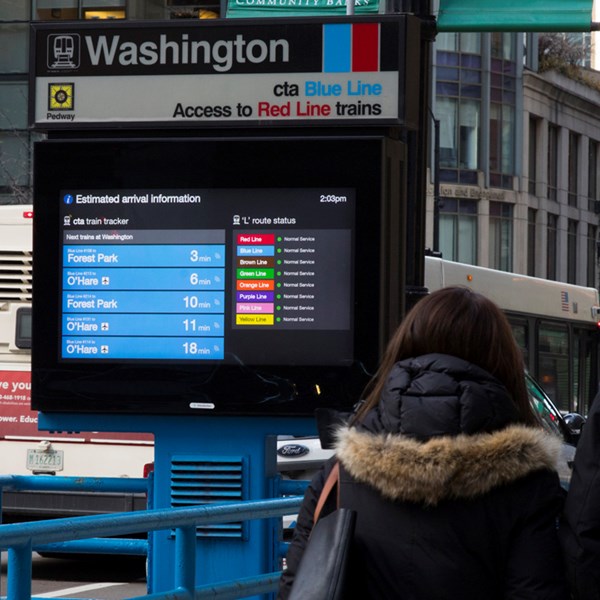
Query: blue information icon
(68, 199)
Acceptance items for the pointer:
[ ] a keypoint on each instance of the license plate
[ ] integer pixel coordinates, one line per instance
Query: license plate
(44, 460)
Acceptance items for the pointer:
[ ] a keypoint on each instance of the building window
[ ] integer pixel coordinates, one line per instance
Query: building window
(15, 144)
(593, 175)
(592, 253)
(502, 46)
(551, 246)
(502, 110)
(14, 160)
(459, 42)
(553, 369)
(194, 9)
(459, 134)
(501, 236)
(13, 103)
(458, 106)
(573, 167)
(14, 11)
(468, 135)
(502, 143)
(531, 241)
(61, 10)
(458, 230)
(584, 42)
(533, 129)
(14, 48)
(572, 251)
(552, 161)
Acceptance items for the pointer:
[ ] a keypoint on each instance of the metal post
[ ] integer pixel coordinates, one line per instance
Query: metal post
(18, 585)
(185, 560)
(436, 185)
(150, 553)
(418, 144)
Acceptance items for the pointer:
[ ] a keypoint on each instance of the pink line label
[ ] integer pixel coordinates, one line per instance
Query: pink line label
(250, 307)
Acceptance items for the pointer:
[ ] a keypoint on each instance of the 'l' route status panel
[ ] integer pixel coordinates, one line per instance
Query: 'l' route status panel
(262, 276)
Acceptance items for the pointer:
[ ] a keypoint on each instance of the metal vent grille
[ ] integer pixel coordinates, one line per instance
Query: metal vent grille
(200, 480)
(15, 276)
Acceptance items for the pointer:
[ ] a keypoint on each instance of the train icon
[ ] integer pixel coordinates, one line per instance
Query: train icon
(63, 51)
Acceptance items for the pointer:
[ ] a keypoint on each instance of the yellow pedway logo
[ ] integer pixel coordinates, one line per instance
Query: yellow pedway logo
(60, 96)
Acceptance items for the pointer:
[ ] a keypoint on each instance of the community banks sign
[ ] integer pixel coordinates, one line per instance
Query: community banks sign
(282, 8)
(225, 72)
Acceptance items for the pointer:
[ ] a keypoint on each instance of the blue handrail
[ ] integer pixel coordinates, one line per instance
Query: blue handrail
(20, 539)
(121, 485)
(131, 485)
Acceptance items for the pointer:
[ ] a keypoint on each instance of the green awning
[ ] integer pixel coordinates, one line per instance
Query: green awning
(291, 8)
(515, 15)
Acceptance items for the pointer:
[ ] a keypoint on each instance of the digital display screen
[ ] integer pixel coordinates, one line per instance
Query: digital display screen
(212, 276)
(238, 276)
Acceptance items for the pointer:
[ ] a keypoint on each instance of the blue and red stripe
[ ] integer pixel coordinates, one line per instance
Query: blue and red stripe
(349, 48)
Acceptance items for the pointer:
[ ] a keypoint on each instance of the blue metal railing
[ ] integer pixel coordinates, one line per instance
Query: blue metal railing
(121, 485)
(130, 485)
(21, 539)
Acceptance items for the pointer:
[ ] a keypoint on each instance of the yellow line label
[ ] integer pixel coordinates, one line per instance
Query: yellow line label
(254, 319)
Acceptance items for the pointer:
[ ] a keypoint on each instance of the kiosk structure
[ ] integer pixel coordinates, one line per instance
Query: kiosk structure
(220, 235)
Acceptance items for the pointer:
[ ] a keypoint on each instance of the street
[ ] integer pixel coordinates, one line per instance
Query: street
(102, 578)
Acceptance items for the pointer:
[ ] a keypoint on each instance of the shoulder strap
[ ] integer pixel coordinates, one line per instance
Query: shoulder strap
(332, 480)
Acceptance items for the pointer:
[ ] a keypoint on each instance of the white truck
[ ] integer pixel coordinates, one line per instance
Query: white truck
(23, 449)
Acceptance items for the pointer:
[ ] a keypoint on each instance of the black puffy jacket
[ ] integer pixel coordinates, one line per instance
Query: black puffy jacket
(455, 499)
(580, 530)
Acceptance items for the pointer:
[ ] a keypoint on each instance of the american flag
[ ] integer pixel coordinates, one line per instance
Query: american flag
(564, 301)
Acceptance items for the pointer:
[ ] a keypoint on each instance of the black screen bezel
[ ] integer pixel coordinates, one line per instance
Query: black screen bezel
(145, 388)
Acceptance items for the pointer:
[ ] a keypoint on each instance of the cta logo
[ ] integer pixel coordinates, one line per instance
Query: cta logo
(64, 50)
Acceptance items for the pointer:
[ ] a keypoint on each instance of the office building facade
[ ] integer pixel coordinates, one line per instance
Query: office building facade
(518, 157)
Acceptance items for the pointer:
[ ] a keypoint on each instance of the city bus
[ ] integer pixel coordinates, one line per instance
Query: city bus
(556, 326)
(24, 449)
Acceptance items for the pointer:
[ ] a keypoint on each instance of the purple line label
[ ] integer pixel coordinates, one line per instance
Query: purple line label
(255, 296)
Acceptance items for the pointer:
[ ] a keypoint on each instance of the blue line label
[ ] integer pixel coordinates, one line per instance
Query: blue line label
(143, 302)
(144, 279)
(143, 325)
(143, 348)
(202, 255)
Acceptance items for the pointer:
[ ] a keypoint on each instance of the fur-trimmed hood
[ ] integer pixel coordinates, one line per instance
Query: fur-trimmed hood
(446, 467)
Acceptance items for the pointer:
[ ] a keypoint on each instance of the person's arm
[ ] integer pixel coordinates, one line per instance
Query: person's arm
(535, 566)
(580, 529)
(304, 525)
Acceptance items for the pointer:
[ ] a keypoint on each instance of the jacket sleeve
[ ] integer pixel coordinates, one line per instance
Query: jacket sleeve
(580, 528)
(535, 566)
(304, 525)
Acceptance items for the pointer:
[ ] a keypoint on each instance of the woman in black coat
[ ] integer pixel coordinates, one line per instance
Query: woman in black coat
(453, 480)
(580, 528)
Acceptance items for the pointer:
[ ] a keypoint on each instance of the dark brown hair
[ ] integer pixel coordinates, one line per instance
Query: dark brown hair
(462, 323)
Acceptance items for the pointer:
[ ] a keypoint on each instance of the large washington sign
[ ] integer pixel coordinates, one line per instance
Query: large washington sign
(220, 73)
